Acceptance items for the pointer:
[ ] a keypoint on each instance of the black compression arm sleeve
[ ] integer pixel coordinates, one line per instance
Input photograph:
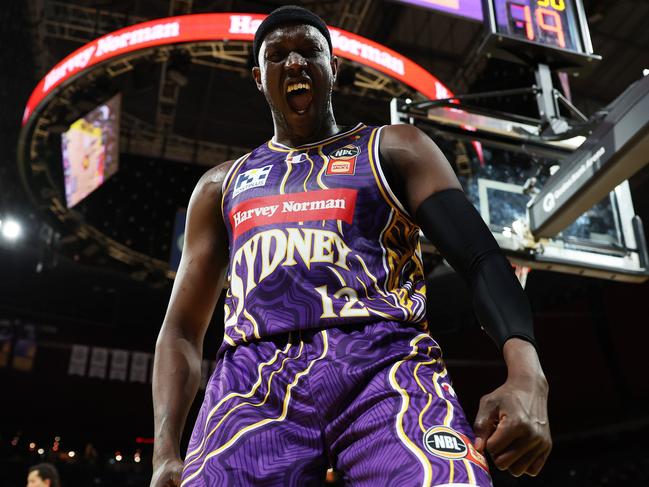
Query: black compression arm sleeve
(455, 227)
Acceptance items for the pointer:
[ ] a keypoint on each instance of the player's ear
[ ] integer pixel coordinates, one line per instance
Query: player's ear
(334, 67)
(256, 74)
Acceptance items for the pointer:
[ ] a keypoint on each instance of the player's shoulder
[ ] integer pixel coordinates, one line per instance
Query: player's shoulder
(401, 134)
(396, 143)
(210, 185)
(403, 143)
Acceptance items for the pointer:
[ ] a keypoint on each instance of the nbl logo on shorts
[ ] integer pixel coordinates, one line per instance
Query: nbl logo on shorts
(253, 178)
(445, 442)
(343, 161)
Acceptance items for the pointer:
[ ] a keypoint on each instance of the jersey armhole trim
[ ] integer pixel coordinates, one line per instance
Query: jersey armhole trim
(229, 177)
(381, 180)
(229, 174)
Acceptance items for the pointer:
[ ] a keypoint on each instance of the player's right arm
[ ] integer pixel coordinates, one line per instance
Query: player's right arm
(179, 348)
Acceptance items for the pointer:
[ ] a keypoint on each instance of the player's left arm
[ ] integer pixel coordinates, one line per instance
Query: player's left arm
(512, 421)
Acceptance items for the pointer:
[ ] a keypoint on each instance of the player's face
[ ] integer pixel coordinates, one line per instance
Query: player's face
(296, 74)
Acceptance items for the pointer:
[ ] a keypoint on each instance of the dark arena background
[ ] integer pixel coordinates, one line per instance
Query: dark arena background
(548, 133)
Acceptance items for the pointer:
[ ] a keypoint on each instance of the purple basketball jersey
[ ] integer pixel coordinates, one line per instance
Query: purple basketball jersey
(318, 240)
(326, 359)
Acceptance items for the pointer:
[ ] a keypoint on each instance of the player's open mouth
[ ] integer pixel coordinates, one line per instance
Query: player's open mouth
(299, 96)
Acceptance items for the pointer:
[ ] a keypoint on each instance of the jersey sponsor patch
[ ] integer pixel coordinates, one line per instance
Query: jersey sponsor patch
(252, 178)
(342, 161)
(445, 442)
(326, 204)
(296, 157)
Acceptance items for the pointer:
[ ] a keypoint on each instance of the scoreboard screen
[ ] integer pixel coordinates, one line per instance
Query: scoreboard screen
(468, 9)
(549, 22)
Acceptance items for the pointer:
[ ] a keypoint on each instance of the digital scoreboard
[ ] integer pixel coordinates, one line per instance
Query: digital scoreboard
(547, 31)
(549, 22)
(552, 32)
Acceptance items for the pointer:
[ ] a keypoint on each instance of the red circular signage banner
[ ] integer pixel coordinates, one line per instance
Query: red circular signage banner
(225, 26)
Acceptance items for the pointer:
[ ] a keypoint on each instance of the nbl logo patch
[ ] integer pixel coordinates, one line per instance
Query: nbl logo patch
(253, 178)
(342, 161)
(445, 442)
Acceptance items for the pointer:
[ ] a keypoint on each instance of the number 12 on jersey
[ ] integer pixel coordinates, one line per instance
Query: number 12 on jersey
(351, 309)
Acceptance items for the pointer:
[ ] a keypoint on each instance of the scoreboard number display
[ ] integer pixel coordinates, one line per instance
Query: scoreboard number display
(548, 22)
(551, 31)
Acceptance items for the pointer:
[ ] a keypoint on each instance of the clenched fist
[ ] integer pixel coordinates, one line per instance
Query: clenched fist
(512, 425)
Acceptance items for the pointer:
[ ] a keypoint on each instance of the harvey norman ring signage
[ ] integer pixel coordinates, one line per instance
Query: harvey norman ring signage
(224, 26)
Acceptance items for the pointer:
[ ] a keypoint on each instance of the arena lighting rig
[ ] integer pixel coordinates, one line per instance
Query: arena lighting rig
(222, 41)
(589, 158)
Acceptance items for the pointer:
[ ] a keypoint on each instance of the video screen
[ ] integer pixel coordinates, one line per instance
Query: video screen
(91, 150)
(470, 9)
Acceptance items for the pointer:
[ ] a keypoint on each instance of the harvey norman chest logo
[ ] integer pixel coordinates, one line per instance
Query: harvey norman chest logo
(343, 160)
(326, 204)
(253, 178)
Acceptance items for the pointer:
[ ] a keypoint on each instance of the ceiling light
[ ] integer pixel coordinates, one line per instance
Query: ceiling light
(11, 229)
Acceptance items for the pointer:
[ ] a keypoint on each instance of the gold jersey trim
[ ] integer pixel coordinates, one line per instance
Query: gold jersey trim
(229, 177)
(381, 180)
(405, 404)
(277, 147)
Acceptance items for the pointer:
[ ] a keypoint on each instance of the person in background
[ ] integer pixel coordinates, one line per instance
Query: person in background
(43, 475)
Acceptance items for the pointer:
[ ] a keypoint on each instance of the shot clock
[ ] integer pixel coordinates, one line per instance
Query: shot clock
(547, 31)
(549, 22)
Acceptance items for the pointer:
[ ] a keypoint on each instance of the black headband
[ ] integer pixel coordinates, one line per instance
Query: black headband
(284, 15)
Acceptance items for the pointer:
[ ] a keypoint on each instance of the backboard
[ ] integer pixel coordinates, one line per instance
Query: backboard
(607, 241)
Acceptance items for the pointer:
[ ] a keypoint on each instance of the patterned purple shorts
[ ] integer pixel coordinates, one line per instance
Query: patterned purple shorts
(374, 401)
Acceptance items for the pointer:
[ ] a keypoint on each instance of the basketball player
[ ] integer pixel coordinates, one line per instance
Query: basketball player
(326, 359)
